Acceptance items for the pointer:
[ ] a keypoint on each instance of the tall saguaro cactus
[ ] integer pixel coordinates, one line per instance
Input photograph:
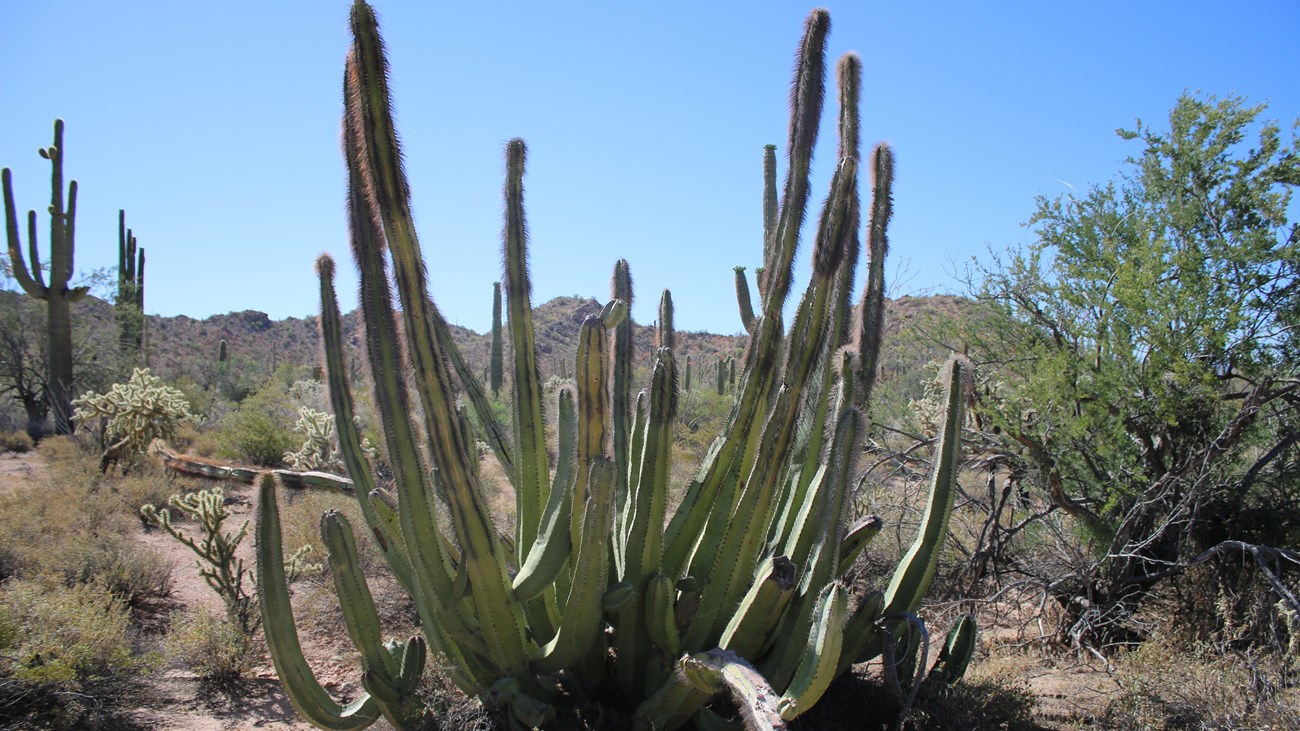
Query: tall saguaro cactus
(56, 293)
(130, 288)
(741, 589)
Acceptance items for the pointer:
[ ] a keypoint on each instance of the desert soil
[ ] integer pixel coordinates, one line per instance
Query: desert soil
(1068, 692)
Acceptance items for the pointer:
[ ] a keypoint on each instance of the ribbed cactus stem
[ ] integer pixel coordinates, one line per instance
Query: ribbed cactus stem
(769, 218)
(58, 296)
(223, 356)
(622, 356)
(743, 300)
(664, 335)
(496, 358)
(872, 316)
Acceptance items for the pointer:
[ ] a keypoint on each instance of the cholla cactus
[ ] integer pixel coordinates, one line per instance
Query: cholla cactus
(133, 414)
(319, 450)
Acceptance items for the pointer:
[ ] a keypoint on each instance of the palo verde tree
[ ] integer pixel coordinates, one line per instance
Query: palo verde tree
(57, 293)
(1141, 355)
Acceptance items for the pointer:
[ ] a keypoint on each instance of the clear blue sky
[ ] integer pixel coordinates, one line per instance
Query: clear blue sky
(215, 125)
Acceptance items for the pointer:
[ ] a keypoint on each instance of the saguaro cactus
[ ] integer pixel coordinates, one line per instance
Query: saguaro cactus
(130, 288)
(57, 294)
(740, 590)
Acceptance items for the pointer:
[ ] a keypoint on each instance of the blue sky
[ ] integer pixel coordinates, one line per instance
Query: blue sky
(215, 125)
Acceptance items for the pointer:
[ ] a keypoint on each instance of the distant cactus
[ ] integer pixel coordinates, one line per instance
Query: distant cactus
(129, 306)
(133, 414)
(58, 296)
(222, 355)
(686, 379)
(722, 376)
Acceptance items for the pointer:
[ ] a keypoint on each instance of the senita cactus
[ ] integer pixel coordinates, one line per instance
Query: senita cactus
(130, 288)
(739, 591)
(57, 294)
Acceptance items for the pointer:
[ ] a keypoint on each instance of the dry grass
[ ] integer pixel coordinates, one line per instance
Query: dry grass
(1167, 688)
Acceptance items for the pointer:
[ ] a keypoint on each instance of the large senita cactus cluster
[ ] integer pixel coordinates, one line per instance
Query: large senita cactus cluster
(602, 591)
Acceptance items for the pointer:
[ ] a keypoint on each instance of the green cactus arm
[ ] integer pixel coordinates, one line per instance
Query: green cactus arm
(912, 577)
(746, 529)
(688, 688)
(871, 320)
(300, 684)
(552, 549)
(359, 616)
(648, 504)
(749, 632)
(856, 539)
(956, 653)
(345, 425)
(862, 635)
(496, 357)
(583, 608)
(593, 415)
(665, 337)
(431, 567)
(622, 355)
(805, 113)
(770, 212)
(389, 677)
(501, 619)
(661, 623)
(495, 432)
(22, 274)
(821, 656)
(531, 470)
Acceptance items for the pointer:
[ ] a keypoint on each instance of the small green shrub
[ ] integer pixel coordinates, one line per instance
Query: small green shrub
(15, 441)
(260, 431)
(207, 644)
(66, 652)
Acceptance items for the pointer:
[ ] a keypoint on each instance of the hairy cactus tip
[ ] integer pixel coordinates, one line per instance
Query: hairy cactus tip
(325, 266)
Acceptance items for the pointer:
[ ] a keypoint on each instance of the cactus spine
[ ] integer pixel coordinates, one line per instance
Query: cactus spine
(692, 601)
(130, 288)
(58, 296)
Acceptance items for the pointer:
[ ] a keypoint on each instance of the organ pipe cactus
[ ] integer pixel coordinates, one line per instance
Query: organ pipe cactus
(495, 362)
(30, 273)
(739, 590)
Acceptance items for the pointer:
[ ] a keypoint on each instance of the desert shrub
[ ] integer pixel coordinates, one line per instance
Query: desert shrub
(76, 536)
(1197, 688)
(207, 644)
(260, 431)
(15, 441)
(63, 648)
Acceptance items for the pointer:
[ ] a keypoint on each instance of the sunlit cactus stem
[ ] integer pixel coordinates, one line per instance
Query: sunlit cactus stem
(30, 273)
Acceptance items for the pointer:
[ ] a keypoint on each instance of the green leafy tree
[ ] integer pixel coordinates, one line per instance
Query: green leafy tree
(1139, 353)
